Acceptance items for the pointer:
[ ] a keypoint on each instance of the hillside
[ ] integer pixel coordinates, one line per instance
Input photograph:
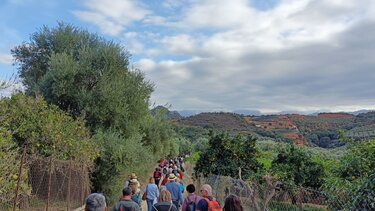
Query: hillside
(318, 130)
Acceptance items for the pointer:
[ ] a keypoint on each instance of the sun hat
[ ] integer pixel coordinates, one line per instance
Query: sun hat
(171, 177)
(133, 176)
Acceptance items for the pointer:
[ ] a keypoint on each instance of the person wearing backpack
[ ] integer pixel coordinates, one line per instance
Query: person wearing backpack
(174, 188)
(126, 203)
(157, 176)
(152, 193)
(208, 203)
(164, 202)
(191, 201)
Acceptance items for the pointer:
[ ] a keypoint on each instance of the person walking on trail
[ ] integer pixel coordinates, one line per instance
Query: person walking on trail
(95, 202)
(174, 188)
(191, 201)
(208, 203)
(233, 203)
(181, 183)
(136, 189)
(165, 180)
(157, 176)
(164, 202)
(132, 179)
(152, 193)
(126, 203)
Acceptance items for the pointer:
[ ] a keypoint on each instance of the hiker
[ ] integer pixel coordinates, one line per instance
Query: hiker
(136, 190)
(157, 176)
(232, 203)
(95, 202)
(152, 193)
(164, 202)
(181, 183)
(208, 202)
(132, 177)
(165, 170)
(191, 201)
(175, 170)
(165, 180)
(161, 163)
(126, 203)
(174, 188)
(179, 174)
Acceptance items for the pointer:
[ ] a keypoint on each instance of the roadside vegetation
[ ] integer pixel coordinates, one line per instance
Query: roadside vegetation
(83, 101)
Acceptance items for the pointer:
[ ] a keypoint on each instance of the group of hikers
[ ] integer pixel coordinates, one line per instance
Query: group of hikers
(164, 193)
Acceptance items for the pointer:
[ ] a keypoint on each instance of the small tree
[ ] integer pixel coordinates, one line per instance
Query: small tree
(294, 165)
(225, 155)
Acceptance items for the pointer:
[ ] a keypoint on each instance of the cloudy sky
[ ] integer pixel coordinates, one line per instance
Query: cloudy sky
(210, 55)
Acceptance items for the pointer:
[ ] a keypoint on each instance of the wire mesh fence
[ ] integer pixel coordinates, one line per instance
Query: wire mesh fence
(48, 184)
(271, 194)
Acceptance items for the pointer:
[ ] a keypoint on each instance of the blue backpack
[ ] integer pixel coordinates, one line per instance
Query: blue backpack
(191, 205)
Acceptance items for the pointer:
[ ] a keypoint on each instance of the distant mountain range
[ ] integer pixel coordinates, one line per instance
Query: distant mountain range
(318, 129)
(187, 113)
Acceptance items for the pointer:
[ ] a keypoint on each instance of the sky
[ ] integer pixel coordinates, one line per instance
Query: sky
(220, 55)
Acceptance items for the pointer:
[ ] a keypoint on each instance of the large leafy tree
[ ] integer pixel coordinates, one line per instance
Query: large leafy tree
(84, 75)
(225, 155)
(90, 78)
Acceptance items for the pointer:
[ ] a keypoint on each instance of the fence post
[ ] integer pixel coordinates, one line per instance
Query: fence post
(83, 188)
(69, 186)
(19, 176)
(49, 182)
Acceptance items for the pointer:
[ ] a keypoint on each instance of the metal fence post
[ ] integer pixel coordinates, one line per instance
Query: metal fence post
(83, 187)
(19, 176)
(49, 183)
(69, 186)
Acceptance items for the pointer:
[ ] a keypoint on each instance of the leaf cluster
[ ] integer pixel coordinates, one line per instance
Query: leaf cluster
(295, 165)
(45, 129)
(225, 155)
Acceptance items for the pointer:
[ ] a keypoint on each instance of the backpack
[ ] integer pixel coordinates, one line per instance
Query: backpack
(174, 171)
(191, 205)
(213, 205)
(125, 208)
(165, 170)
(157, 174)
(137, 198)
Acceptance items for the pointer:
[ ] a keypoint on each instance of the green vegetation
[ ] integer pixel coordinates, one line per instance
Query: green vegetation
(226, 155)
(295, 166)
(45, 129)
(83, 102)
(86, 76)
(89, 78)
(354, 176)
(9, 167)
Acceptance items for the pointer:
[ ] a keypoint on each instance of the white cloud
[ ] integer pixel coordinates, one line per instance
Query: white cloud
(6, 58)
(299, 55)
(180, 44)
(112, 16)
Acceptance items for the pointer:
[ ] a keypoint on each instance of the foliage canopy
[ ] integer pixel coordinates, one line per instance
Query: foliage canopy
(225, 155)
(84, 75)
